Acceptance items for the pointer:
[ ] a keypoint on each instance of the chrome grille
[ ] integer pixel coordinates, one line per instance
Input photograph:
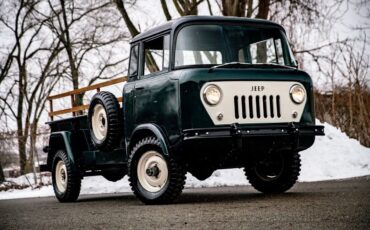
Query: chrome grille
(257, 106)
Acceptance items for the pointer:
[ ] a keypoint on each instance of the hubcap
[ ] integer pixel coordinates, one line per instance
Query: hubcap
(99, 122)
(61, 176)
(271, 168)
(152, 171)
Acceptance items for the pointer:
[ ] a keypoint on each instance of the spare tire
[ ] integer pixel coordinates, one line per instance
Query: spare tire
(105, 122)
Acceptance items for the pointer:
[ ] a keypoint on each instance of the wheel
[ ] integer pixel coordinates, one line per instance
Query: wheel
(105, 122)
(154, 178)
(114, 176)
(65, 177)
(276, 173)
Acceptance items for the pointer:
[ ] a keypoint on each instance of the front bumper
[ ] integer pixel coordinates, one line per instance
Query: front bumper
(235, 130)
(245, 140)
(236, 145)
(294, 130)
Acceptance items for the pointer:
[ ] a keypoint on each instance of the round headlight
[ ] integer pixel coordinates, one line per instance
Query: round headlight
(212, 94)
(297, 93)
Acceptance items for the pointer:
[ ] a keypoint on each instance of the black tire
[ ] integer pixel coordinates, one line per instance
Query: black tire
(113, 176)
(174, 184)
(112, 123)
(72, 175)
(275, 174)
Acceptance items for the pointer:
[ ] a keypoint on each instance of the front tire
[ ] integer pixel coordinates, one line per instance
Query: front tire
(65, 177)
(154, 177)
(276, 173)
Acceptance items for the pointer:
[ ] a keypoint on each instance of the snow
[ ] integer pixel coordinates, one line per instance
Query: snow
(333, 156)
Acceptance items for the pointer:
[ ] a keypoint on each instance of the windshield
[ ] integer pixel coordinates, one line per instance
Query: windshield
(220, 44)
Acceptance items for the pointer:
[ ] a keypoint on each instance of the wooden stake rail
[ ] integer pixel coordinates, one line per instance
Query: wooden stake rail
(72, 94)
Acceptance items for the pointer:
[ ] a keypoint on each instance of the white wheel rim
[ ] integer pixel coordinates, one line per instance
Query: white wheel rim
(99, 122)
(61, 176)
(154, 162)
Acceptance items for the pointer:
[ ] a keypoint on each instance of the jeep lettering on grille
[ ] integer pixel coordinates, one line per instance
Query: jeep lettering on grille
(258, 88)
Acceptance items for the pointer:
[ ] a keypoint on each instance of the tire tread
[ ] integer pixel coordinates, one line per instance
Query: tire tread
(177, 175)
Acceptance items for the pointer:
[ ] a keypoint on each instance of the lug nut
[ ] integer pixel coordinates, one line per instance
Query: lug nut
(220, 116)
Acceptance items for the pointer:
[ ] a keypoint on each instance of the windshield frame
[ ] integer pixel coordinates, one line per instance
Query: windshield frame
(285, 45)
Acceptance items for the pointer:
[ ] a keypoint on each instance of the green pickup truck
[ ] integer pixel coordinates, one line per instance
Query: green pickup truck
(202, 93)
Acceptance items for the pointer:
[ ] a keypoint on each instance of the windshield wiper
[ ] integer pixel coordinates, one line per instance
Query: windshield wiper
(247, 65)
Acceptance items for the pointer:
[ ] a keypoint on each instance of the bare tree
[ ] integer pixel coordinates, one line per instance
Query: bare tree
(165, 10)
(234, 7)
(187, 7)
(149, 59)
(78, 41)
(27, 32)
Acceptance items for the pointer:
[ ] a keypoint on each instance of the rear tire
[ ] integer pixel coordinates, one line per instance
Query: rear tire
(105, 121)
(154, 177)
(277, 173)
(66, 178)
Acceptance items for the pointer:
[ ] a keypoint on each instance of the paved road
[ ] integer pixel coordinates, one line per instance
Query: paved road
(320, 205)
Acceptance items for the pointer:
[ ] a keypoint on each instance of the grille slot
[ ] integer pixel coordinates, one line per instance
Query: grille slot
(264, 106)
(244, 111)
(257, 106)
(272, 106)
(236, 107)
(250, 106)
(278, 106)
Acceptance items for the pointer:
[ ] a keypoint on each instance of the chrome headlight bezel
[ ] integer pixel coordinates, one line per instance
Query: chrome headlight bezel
(217, 93)
(297, 93)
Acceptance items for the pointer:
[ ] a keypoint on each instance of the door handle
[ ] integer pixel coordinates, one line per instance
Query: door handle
(139, 88)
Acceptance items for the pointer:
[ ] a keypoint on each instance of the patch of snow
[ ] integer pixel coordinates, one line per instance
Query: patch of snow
(333, 156)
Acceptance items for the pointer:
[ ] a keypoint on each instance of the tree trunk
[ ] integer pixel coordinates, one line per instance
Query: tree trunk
(22, 152)
(250, 8)
(21, 135)
(350, 106)
(33, 150)
(68, 46)
(234, 7)
(2, 177)
(263, 9)
(121, 8)
(165, 10)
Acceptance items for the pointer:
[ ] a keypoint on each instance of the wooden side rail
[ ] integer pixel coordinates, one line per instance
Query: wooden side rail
(72, 94)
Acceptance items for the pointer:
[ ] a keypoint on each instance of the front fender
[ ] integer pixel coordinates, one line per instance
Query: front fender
(145, 130)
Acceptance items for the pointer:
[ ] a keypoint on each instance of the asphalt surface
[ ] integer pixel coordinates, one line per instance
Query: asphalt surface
(320, 205)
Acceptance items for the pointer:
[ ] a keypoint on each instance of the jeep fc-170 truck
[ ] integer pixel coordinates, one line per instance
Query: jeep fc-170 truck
(202, 93)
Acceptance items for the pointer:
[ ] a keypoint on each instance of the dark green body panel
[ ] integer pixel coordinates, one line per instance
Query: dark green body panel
(73, 136)
(62, 140)
(192, 80)
(153, 100)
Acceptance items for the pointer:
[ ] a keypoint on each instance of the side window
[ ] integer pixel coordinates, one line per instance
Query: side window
(156, 54)
(134, 57)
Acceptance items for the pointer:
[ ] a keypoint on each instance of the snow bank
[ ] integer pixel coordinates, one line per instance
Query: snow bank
(334, 156)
